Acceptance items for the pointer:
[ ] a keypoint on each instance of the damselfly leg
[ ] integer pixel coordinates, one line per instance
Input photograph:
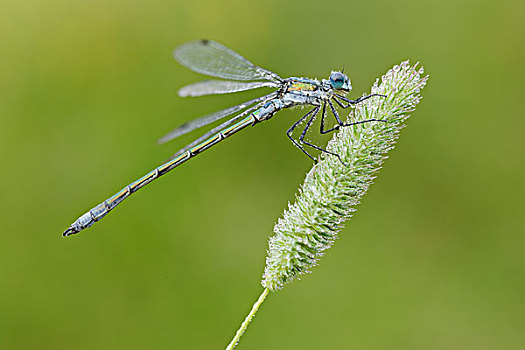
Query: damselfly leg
(353, 102)
(313, 113)
(349, 103)
(308, 124)
(292, 128)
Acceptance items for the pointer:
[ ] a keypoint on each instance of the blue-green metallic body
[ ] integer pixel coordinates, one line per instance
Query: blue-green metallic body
(294, 91)
(213, 59)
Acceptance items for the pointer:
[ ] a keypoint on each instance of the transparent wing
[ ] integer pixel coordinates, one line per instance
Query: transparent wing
(210, 118)
(222, 126)
(211, 58)
(206, 135)
(210, 87)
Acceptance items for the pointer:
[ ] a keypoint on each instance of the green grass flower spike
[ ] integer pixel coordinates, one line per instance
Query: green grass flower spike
(331, 191)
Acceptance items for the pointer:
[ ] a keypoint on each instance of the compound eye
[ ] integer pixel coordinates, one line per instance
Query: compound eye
(337, 80)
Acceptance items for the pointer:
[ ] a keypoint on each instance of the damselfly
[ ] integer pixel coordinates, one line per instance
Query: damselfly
(213, 59)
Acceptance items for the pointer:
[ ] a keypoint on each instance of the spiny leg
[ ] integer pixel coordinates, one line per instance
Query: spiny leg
(353, 102)
(292, 128)
(343, 106)
(340, 123)
(308, 124)
(336, 115)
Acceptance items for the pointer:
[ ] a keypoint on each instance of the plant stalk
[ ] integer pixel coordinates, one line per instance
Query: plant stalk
(247, 320)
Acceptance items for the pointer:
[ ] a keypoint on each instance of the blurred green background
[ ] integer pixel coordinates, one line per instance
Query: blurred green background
(433, 259)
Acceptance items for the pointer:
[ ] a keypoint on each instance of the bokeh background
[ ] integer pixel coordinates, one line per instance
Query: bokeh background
(433, 259)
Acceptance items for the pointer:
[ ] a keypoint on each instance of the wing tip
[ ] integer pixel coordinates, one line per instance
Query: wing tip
(182, 92)
(162, 140)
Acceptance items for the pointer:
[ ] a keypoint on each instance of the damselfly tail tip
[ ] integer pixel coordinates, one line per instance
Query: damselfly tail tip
(70, 231)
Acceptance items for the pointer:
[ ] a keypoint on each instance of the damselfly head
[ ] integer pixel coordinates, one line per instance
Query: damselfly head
(340, 81)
